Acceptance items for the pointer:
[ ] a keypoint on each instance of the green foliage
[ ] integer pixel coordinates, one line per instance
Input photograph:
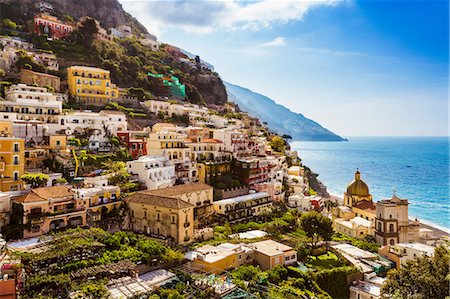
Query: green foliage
(26, 61)
(93, 290)
(316, 227)
(277, 274)
(35, 179)
(323, 261)
(334, 281)
(278, 144)
(8, 24)
(423, 277)
(365, 244)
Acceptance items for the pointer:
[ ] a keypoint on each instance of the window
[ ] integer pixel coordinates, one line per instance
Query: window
(158, 218)
(16, 160)
(16, 175)
(391, 227)
(145, 214)
(16, 147)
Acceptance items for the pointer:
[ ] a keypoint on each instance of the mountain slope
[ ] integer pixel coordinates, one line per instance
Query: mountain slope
(279, 118)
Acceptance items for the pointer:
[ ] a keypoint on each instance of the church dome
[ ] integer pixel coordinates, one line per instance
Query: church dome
(358, 187)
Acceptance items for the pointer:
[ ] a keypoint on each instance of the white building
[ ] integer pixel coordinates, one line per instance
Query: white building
(31, 103)
(234, 141)
(400, 253)
(155, 172)
(105, 122)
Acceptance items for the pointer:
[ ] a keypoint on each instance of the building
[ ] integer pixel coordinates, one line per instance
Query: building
(270, 253)
(48, 60)
(220, 258)
(91, 85)
(365, 290)
(244, 208)
(135, 141)
(50, 209)
(40, 79)
(51, 26)
(400, 253)
(359, 201)
(275, 190)
(198, 194)
(155, 172)
(234, 141)
(357, 227)
(163, 217)
(12, 163)
(98, 199)
(29, 103)
(171, 144)
(252, 170)
(357, 191)
(105, 122)
(392, 224)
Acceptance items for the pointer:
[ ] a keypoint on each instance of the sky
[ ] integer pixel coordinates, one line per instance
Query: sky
(359, 68)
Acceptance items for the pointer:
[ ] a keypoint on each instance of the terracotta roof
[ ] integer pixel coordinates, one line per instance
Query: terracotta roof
(180, 189)
(144, 197)
(211, 141)
(365, 205)
(45, 193)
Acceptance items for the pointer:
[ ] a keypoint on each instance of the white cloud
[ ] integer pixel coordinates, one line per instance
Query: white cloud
(276, 42)
(204, 16)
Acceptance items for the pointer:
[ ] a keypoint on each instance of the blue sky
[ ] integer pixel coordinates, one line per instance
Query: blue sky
(359, 68)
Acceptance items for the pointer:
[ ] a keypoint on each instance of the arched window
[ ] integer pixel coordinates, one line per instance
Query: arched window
(391, 241)
(379, 226)
(391, 227)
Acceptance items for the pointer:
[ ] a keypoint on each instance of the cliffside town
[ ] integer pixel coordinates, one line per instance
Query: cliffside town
(126, 173)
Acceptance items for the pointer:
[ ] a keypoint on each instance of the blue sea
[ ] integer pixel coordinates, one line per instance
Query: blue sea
(416, 167)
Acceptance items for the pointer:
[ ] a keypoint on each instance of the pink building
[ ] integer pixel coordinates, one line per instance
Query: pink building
(50, 25)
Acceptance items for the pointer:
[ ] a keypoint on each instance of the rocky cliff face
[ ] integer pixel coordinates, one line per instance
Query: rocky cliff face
(211, 88)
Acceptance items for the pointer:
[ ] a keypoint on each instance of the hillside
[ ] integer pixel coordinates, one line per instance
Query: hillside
(109, 12)
(279, 118)
(128, 59)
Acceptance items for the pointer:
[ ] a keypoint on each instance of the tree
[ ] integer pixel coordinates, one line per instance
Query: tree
(2, 73)
(316, 226)
(35, 179)
(8, 24)
(278, 144)
(88, 30)
(423, 277)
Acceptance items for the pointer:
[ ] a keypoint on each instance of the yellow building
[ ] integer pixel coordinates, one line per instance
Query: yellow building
(198, 194)
(91, 85)
(164, 217)
(12, 162)
(217, 259)
(56, 142)
(357, 191)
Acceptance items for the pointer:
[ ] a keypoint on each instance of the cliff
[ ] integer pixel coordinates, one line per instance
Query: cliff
(279, 118)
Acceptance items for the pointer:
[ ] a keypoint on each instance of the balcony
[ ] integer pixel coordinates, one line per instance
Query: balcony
(105, 202)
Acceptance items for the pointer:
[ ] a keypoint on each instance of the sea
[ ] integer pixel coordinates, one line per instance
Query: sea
(416, 168)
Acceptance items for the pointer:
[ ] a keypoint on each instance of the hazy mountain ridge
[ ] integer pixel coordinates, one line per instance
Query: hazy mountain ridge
(279, 118)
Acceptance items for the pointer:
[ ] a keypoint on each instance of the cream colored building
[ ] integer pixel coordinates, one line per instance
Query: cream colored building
(400, 253)
(164, 217)
(5, 208)
(392, 224)
(270, 253)
(357, 227)
(33, 103)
